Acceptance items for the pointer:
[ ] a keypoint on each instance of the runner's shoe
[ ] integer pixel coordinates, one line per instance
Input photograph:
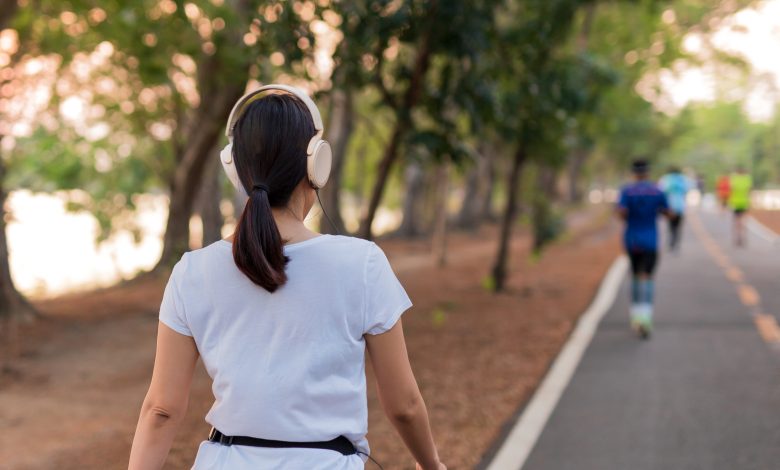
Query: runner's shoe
(636, 317)
(645, 321)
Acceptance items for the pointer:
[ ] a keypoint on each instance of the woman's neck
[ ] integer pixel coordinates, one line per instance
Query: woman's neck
(291, 227)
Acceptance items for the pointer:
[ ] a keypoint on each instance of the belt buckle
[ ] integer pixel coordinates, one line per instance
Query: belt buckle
(212, 433)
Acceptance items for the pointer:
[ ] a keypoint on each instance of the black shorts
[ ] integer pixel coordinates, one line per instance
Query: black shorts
(643, 262)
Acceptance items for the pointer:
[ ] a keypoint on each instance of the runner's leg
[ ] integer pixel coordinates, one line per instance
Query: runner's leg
(739, 227)
(636, 288)
(648, 291)
(674, 231)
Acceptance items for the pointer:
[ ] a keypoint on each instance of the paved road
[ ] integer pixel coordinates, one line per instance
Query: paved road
(704, 392)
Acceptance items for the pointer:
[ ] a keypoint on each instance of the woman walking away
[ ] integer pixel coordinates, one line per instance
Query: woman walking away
(281, 317)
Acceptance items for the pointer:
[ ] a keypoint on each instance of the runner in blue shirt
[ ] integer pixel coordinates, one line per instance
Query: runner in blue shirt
(676, 186)
(640, 204)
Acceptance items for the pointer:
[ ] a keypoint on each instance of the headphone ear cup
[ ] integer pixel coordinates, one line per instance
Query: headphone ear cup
(318, 164)
(226, 158)
(226, 155)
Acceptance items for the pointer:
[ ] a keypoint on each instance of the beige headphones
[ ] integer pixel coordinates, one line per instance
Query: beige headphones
(318, 153)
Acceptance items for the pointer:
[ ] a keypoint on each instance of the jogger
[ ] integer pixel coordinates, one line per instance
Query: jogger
(675, 186)
(640, 204)
(741, 184)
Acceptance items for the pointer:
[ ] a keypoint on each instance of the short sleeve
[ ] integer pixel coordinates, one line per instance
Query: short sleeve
(385, 297)
(663, 183)
(172, 312)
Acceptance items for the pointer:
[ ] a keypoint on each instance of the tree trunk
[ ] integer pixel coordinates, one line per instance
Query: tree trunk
(402, 124)
(490, 184)
(340, 127)
(383, 173)
(201, 138)
(576, 163)
(209, 200)
(478, 184)
(413, 196)
(439, 245)
(221, 82)
(544, 229)
(13, 306)
(513, 187)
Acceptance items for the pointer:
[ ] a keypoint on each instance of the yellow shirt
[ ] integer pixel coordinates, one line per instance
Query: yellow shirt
(741, 184)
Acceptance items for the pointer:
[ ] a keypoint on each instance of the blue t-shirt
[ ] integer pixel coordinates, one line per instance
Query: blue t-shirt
(643, 201)
(676, 187)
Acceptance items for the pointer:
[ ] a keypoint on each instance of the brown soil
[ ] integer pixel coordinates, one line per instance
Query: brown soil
(769, 218)
(73, 395)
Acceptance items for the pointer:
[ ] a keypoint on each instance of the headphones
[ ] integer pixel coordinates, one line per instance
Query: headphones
(318, 152)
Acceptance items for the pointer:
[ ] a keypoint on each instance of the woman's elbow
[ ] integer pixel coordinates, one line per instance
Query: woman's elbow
(162, 414)
(407, 410)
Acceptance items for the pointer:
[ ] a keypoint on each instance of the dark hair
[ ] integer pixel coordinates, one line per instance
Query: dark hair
(269, 150)
(640, 166)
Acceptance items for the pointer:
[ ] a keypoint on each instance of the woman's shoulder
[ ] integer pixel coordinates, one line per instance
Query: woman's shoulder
(202, 258)
(346, 247)
(346, 241)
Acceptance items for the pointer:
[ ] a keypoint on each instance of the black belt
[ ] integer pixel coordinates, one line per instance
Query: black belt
(340, 444)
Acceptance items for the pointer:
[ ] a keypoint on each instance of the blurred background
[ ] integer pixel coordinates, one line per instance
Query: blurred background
(482, 142)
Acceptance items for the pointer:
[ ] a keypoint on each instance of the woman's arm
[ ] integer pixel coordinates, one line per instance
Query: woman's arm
(166, 400)
(400, 397)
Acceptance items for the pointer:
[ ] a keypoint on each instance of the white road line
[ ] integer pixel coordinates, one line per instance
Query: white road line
(762, 231)
(523, 436)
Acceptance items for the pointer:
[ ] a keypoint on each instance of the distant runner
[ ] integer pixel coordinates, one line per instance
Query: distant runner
(640, 204)
(675, 186)
(739, 202)
(723, 189)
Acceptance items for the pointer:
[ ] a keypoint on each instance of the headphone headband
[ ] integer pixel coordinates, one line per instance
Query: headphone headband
(245, 100)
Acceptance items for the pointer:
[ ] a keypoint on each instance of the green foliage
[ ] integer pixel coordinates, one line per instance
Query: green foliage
(548, 222)
(166, 60)
(713, 139)
(556, 75)
(489, 283)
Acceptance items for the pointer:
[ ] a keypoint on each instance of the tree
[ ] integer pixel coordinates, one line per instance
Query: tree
(173, 90)
(533, 87)
(12, 303)
(427, 37)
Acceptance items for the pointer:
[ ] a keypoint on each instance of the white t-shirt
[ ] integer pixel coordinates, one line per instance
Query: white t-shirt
(288, 365)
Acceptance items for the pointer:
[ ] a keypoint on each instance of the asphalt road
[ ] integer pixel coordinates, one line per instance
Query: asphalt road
(704, 391)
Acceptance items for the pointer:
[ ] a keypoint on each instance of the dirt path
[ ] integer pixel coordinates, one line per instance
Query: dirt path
(76, 391)
(769, 218)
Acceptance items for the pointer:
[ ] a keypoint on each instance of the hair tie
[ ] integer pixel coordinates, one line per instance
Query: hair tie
(260, 187)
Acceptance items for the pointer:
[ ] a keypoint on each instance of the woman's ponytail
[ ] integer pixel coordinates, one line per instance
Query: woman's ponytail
(258, 249)
(269, 146)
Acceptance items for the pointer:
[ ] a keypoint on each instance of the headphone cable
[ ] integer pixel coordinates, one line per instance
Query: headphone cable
(371, 459)
(335, 229)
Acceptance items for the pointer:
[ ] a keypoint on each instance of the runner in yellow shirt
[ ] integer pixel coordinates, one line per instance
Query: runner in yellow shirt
(740, 183)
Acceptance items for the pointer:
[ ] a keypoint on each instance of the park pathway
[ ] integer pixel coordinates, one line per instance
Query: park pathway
(704, 392)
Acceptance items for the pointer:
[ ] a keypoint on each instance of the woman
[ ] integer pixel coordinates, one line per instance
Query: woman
(281, 317)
